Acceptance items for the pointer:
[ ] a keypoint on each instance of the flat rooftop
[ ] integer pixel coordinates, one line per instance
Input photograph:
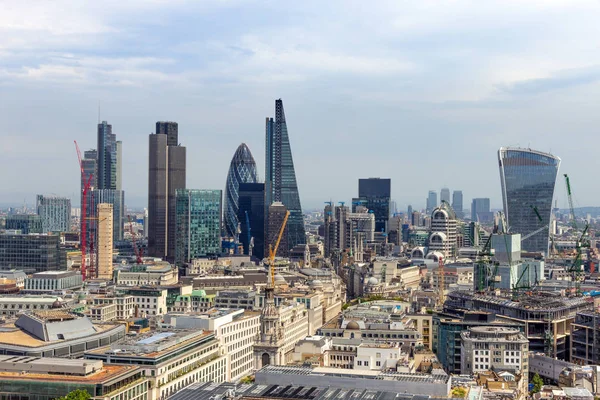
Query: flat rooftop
(107, 373)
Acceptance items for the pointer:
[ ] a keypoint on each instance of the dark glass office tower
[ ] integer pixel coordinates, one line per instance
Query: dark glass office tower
(251, 214)
(166, 174)
(374, 193)
(241, 170)
(280, 179)
(171, 129)
(275, 219)
(527, 178)
(107, 167)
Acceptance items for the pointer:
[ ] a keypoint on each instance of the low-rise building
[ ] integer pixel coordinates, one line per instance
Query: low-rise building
(245, 299)
(51, 378)
(196, 302)
(15, 275)
(159, 274)
(103, 313)
(14, 304)
(547, 367)
(53, 281)
(171, 359)
(125, 305)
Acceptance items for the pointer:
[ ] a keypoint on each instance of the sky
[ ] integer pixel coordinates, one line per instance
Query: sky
(422, 92)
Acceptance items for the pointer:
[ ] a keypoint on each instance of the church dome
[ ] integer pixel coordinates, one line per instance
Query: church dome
(353, 325)
(372, 281)
(279, 278)
(57, 304)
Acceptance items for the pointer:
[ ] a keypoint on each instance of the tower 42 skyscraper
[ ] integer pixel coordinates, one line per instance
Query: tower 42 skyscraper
(280, 179)
(241, 170)
(528, 178)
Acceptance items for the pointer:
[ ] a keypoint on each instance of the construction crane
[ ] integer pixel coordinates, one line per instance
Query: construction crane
(138, 252)
(575, 269)
(570, 198)
(273, 251)
(84, 195)
(250, 238)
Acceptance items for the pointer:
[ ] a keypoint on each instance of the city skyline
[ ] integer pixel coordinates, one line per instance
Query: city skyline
(415, 84)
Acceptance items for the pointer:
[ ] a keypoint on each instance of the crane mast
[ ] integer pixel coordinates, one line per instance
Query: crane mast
(273, 251)
(84, 195)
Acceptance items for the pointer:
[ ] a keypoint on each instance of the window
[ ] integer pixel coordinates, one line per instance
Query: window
(378, 355)
(359, 363)
(366, 363)
(378, 363)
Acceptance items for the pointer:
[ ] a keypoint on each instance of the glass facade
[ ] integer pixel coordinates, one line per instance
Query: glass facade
(251, 214)
(26, 223)
(114, 197)
(241, 170)
(32, 253)
(55, 213)
(280, 180)
(107, 157)
(198, 224)
(528, 178)
(374, 193)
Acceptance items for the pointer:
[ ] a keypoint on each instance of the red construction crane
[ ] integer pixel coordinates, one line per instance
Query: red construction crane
(84, 194)
(136, 250)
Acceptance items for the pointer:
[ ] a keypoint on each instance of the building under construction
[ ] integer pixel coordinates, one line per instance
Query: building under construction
(585, 338)
(547, 317)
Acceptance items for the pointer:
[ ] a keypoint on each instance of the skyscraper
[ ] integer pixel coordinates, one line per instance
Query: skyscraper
(241, 170)
(105, 240)
(107, 196)
(445, 195)
(198, 216)
(374, 193)
(480, 210)
(251, 214)
(90, 167)
(431, 201)
(166, 174)
(107, 160)
(277, 213)
(55, 213)
(527, 178)
(280, 179)
(457, 203)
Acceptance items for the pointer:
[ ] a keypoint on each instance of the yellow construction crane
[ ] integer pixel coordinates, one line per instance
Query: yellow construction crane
(273, 250)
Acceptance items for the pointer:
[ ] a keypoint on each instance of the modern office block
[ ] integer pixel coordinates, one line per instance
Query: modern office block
(457, 202)
(431, 201)
(107, 162)
(275, 219)
(527, 179)
(55, 213)
(167, 161)
(241, 170)
(198, 224)
(111, 196)
(280, 179)
(26, 223)
(480, 210)
(251, 214)
(445, 195)
(374, 194)
(105, 241)
(31, 253)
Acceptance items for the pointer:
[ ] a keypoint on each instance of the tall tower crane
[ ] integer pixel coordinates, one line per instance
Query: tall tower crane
(576, 266)
(273, 252)
(84, 195)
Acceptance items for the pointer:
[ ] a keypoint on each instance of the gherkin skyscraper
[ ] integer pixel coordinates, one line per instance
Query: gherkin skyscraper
(241, 170)
(280, 179)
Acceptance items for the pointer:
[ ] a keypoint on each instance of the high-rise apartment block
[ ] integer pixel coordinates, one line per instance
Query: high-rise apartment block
(251, 214)
(275, 219)
(431, 201)
(198, 224)
(55, 213)
(445, 195)
(167, 160)
(280, 175)
(374, 194)
(241, 170)
(527, 179)
(105, 241)
(480, 210)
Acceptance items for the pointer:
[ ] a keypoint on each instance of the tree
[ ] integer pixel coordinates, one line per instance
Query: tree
(537, 383)
(459, 392)
(76, 395)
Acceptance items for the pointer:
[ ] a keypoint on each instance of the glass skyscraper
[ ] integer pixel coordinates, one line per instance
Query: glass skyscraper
(374, 193)
(280, 179)
(528, 178)
(251, 215)
(107, 157)
(198, 224)
(241, 170)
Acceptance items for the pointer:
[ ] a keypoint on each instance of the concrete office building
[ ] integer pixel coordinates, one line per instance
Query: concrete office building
(171, 359)
(55, 213)
(167, 171)
(280, 176)
(443, 231)
(53, 281)
(496, 348)
(251, 214)
(50, 378)
(198, 223)
(32, 253)
(527, 179)
(105, 241)
(26, 223)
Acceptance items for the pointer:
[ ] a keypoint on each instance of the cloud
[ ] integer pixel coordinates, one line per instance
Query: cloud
(560, 80)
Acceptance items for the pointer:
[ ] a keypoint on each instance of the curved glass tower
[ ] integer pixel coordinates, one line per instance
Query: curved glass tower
(241, 170)
(528, 178)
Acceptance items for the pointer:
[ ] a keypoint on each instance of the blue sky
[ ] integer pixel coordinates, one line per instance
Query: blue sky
(420, 92)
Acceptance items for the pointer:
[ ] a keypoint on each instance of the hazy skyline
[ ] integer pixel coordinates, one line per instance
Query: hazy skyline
(422, 93)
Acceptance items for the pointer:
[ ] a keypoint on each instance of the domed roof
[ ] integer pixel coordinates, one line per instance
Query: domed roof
(316, 283)
(353, 325)
(57, 304)
(372, 281)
